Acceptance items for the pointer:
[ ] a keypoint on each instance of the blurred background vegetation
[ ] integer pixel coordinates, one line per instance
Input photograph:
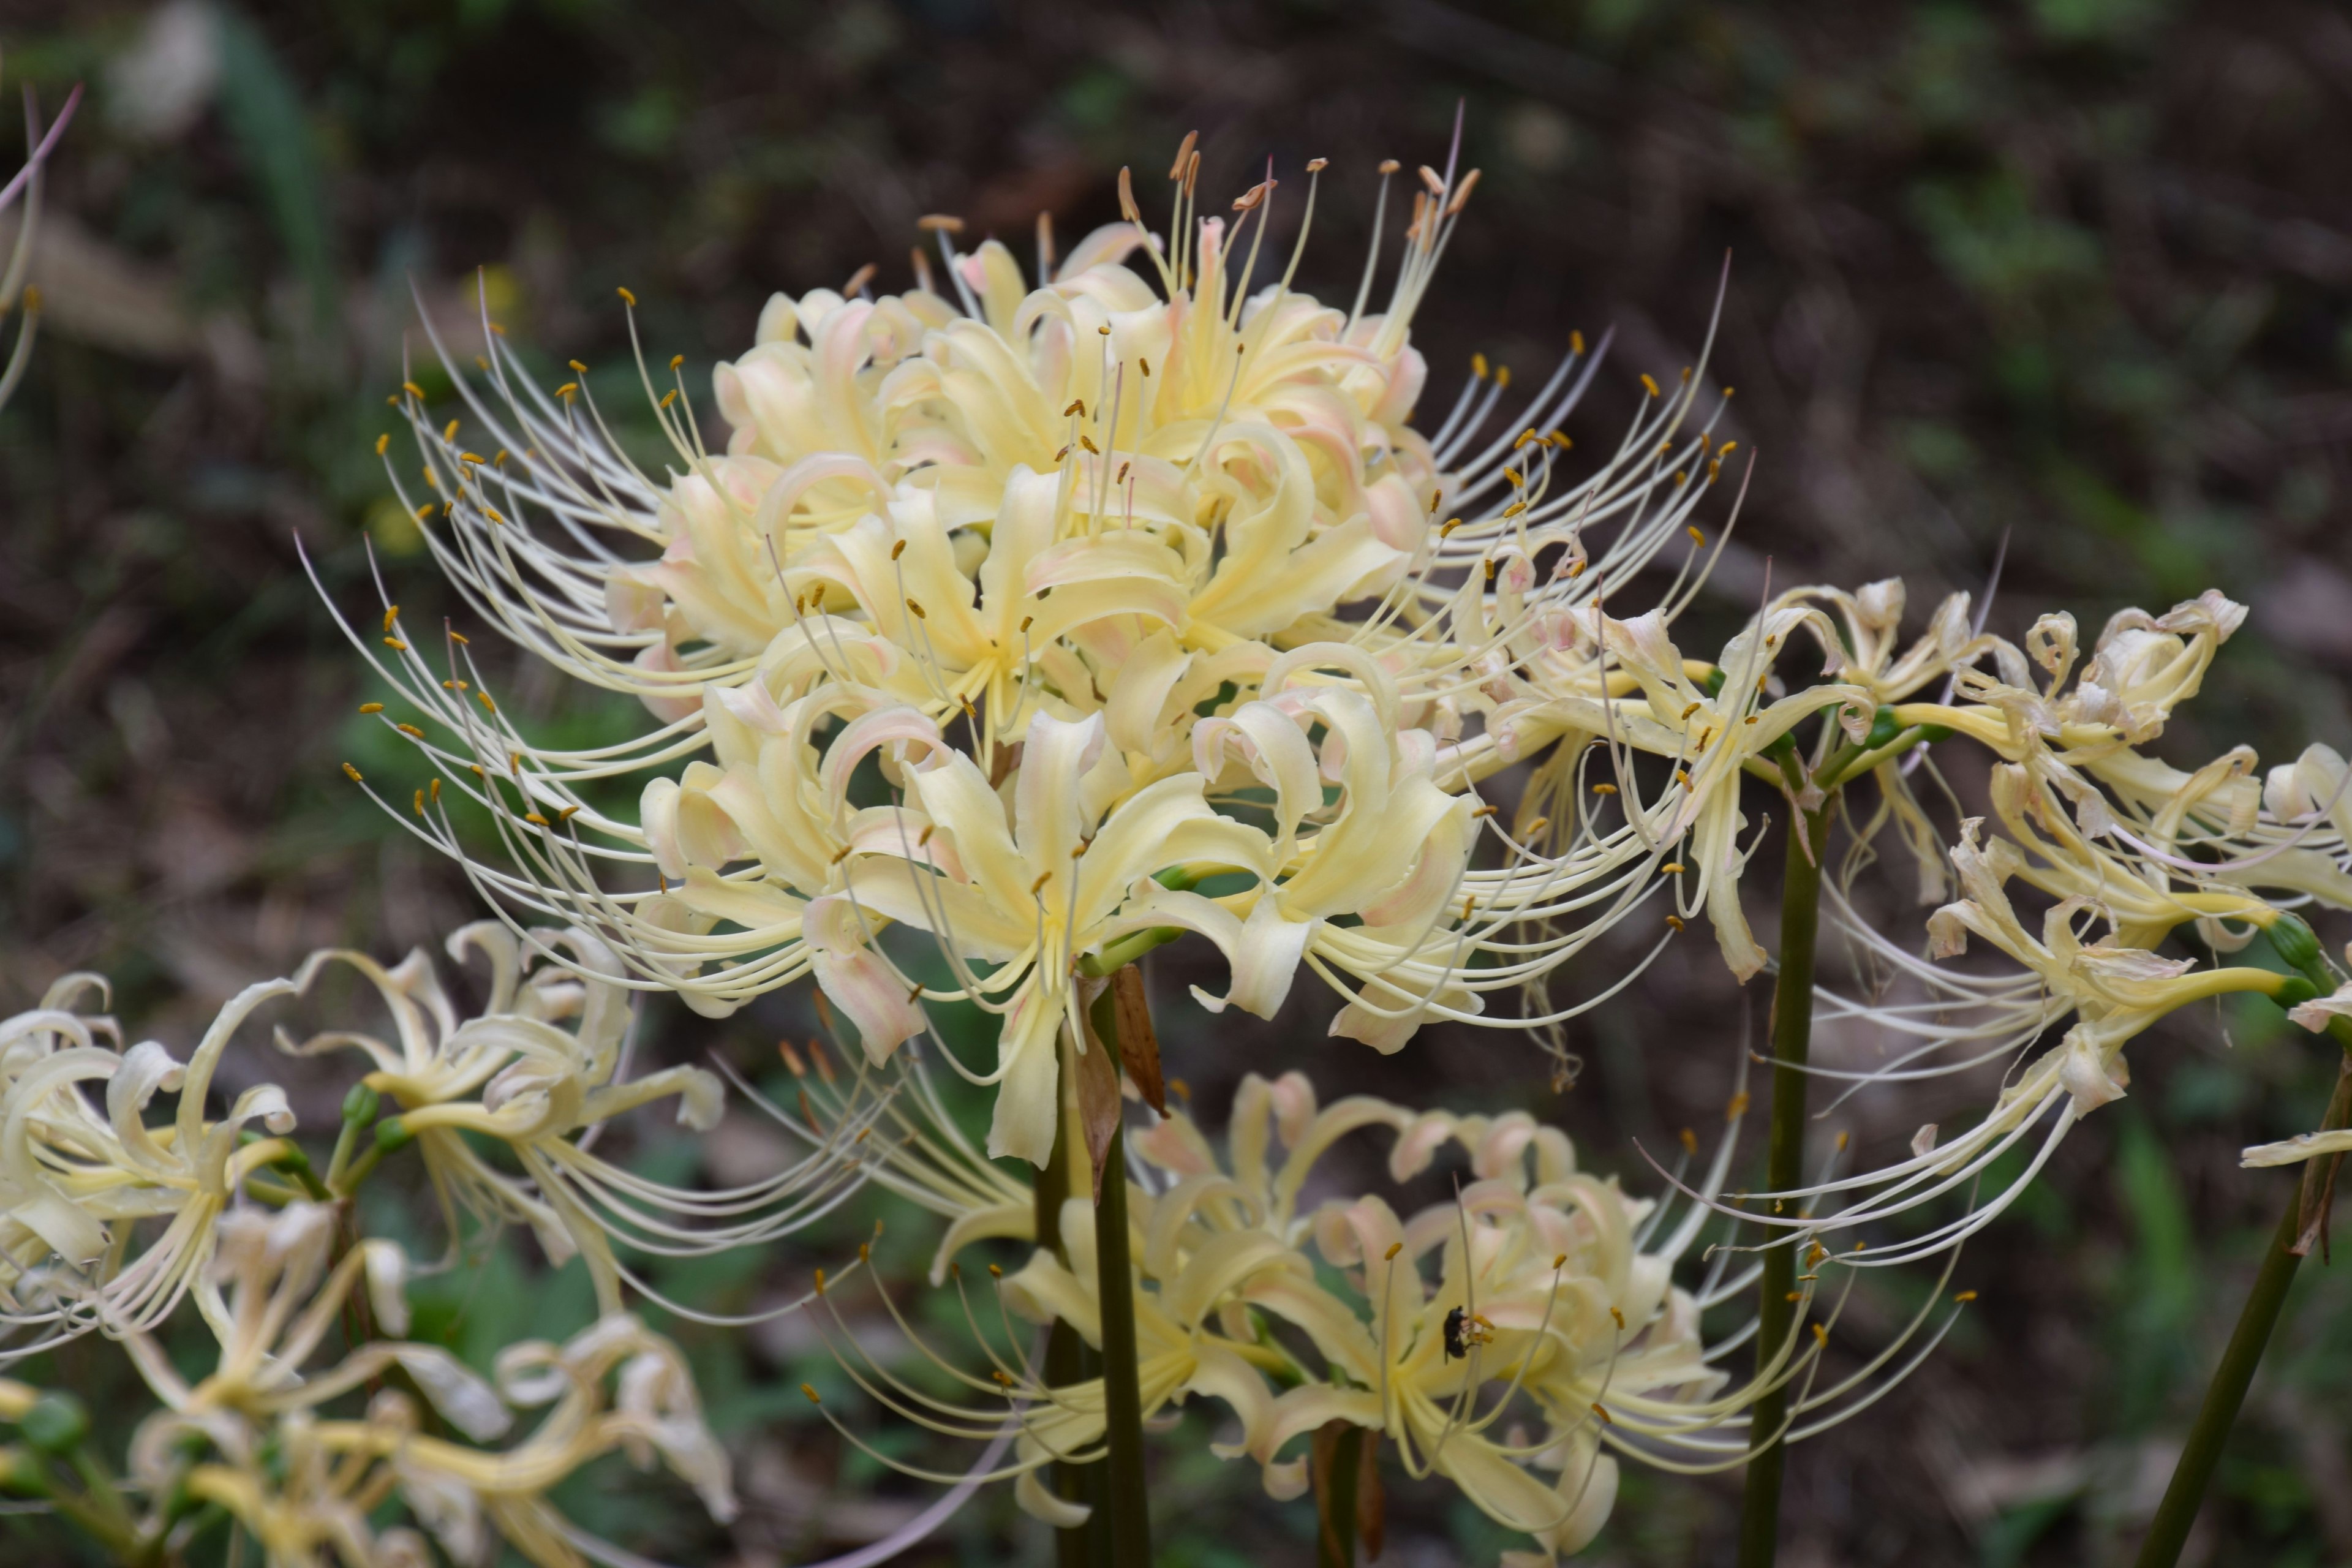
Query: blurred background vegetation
(2074, 272)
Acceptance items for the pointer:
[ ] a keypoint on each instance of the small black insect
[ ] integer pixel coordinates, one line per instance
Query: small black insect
(1456, 1321)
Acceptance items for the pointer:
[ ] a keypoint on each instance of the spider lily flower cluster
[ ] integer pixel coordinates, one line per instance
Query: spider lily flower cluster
(1514, 1339)
(2128, 850)
(111, 1220)
(1053, 621)
(253, 1439)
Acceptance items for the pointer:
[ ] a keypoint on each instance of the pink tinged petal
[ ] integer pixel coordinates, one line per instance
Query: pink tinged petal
(2313, 1015)
(658, 659)
(898, 728)
(857, 979)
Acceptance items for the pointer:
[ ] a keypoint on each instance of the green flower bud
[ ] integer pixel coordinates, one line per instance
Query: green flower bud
(21, 1473)
(2294, 942)
(57, 1424)
(360, 1105)
(2295, 991)
(392, 1135)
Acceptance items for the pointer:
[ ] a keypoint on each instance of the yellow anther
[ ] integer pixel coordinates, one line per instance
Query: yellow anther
(473, 458)
(413, 390)
(1394, 1248)
(354, 774)
(534, 819)
(450, 431)
(1089, 445)
(1600, 1410)
(1478, 362)
(577, 368)
(370, 707)
(1502, 376)
(1737, 1108)
(1691, 709)
(627, 297)
(433, 791)
(1604, 789)
(411, 731)
(1043, 878)
(1689, 1140)
(1078, 407)
(1820, 1336)
(669, 397)
(1675, 921)
(844, 853)
(383, 443)
(1728, 448)
(820, 1281)
(939, 223)
(1515, 508)
(395, 644)
(1964, 1296)
(813, 1399)
(567, 389)
(1576, 343)
(420, 802)
(492, 513)
(1482, 811)
(1614, 1312)
(1671, 868)
(1648, 384)
(1696, 537)
(1144, 362)
(676, 360)
(565, 814)
(484, 699)
(917, 610)
(897, 550)
(500, 460)
(1451, 525)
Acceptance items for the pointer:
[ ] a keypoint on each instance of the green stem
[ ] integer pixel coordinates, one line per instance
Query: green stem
(2185, 1493)
(1064, 1348)
(1335, 1539)
(1793, 1029)
(1129, 1499)
(2224, 1394)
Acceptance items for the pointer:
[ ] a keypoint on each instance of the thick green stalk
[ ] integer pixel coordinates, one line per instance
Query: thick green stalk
(1065, 1350)
(2185, 1493)
(1335, 1538)
(1792, 1031)
(1129, 1499)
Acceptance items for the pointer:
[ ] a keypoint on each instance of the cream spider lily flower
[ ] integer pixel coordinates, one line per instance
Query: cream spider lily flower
(306, 1486)
(286, 1293)
(518, 1075)
(2114, 988)
(1617, 687)
(1551, 1284)
(77, 1179)
(2141, 669)
(914, 529)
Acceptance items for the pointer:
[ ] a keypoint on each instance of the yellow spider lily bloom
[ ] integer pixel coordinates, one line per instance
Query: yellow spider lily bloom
(77, 1179)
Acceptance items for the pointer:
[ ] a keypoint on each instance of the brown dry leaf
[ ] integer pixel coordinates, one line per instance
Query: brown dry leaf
(1138, 1045)
(1098, 1105)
